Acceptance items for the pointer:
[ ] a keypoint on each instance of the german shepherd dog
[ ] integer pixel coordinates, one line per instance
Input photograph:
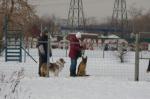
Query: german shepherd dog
(82, 67)
(54, 68)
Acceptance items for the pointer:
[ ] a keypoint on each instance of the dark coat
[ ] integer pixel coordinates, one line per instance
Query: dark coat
(75, 48)
(43, 41)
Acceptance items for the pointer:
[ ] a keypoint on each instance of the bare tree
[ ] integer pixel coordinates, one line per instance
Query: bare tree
(10, 86)
(38, 24)
(19, 12)
(135, 15)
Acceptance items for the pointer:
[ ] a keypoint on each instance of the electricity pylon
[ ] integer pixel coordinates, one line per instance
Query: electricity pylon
(76, 18)
(119, 16)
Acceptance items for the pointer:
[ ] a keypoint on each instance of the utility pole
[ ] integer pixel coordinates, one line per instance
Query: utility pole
(119, 16)
(76, 17)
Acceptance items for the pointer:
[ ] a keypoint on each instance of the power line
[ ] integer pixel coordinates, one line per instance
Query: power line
(76, 15)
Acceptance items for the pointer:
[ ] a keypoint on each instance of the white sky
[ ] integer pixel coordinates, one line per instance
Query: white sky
(92, 8)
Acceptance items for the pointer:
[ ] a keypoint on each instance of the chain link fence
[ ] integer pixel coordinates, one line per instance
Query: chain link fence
(103, 58)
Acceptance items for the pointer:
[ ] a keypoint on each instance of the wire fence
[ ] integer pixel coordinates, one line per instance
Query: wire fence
(103, 59)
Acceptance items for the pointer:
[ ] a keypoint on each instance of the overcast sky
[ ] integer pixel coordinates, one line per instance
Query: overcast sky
(92, 8)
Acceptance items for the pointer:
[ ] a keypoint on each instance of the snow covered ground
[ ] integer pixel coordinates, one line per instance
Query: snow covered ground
(109, 79)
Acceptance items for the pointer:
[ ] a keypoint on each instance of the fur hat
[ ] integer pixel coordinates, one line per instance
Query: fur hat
(78, 35)
(45, 31)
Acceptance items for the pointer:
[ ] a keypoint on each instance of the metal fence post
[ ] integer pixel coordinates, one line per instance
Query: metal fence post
(5, 33)
(21, 45)
(136, 78)
(48, 52)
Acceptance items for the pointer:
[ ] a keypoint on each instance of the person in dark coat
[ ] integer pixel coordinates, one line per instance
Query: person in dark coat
(42, 49)
(106, 47)
(75, 52)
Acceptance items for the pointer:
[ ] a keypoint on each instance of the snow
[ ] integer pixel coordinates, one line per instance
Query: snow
(109, 78)
(86, 88)
(110, 36)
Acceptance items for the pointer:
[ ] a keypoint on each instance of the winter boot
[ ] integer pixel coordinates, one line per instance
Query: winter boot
(73, 74)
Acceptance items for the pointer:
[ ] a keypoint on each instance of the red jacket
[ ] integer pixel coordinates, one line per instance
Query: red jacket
(75, 47)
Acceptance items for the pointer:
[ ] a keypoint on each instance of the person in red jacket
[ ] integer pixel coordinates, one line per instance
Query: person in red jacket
(75, 52)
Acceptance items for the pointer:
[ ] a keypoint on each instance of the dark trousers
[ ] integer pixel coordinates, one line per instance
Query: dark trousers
(41, 61)
(73, 67)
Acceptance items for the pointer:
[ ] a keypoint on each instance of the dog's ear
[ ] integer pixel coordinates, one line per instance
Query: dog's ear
(86, 57)
(62, 60)
(82, 57)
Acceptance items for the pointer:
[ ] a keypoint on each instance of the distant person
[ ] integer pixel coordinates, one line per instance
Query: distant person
(42, 49)
(75, 52)
(106, 47)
